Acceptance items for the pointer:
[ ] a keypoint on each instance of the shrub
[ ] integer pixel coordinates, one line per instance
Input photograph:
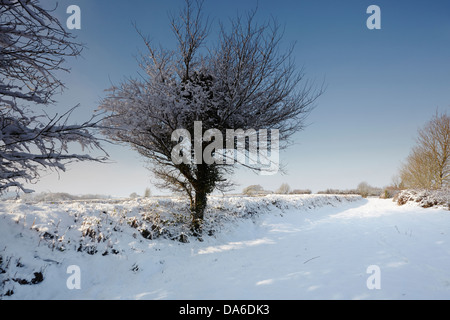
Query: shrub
(301, 191)
(254, 189)
(425, 198)
(389, 192)
(366, 190)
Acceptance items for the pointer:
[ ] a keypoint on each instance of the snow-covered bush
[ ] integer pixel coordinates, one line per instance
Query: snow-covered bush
(18, 273)
(425, 198)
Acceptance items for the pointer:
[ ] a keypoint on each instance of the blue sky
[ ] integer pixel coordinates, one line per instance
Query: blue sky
(382, 85)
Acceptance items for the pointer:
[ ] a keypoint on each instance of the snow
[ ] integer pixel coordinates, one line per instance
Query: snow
(272, 247)
(425, 198)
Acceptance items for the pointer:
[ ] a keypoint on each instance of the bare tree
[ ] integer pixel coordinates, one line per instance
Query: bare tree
(283, 189)
(363, 189)
(33, 46)
(428, 164)
(243, 82)
(253, 189)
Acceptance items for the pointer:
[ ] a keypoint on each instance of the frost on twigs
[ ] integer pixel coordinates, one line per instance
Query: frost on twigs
(33, 47)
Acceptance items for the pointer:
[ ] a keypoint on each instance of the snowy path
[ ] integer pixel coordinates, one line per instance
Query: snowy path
(320, 253)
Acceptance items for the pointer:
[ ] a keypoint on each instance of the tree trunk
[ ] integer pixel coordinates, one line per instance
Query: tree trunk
(202, 185)
(198, 211)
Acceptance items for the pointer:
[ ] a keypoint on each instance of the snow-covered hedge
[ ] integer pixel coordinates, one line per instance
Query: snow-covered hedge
(152, 217)
(425, 198)
(68, 229)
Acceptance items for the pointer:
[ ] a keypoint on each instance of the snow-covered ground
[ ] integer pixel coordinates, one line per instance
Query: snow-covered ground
(274, 247)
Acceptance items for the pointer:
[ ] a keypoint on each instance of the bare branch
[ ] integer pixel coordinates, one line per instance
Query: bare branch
(33, 46)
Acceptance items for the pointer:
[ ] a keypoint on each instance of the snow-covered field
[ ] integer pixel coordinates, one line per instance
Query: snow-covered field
(273, 247)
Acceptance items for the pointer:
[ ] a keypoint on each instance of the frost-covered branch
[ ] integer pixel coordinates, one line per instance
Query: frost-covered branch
(33, 47)
(29, 144)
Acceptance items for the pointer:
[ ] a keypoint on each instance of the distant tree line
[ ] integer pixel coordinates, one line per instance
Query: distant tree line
(284, 188)
(363, 189)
